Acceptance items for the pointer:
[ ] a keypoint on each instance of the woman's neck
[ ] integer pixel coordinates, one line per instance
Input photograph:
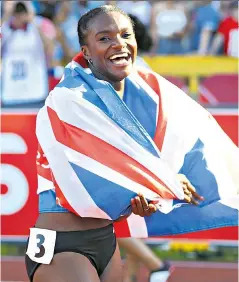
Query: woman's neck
(117, 85)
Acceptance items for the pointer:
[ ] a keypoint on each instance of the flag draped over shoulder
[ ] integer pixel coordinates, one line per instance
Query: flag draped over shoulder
(101, 151)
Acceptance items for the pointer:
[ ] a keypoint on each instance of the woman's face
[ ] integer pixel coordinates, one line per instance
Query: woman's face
(111, 45)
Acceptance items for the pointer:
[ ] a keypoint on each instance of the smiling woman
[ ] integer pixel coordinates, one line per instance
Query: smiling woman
(106, 164)
(108, 43)
(85, 249)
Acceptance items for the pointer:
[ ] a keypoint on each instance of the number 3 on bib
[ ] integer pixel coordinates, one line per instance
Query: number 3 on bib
(41, 245)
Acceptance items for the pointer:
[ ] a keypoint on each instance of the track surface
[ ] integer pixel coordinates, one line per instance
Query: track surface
(13, 270)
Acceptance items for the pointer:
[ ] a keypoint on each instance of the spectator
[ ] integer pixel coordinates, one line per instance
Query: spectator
(169, 25)
(216, 4)
(227, 34)
(205, 23)
(24, 49)
(46, 26)
(139, 9)
(67, 17)
(142, 35)
(46, 9)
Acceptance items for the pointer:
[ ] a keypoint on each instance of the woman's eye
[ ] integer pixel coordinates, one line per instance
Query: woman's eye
(126, 35)
(104, 38)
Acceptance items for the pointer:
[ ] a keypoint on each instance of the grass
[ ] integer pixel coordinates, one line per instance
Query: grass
(218, 254)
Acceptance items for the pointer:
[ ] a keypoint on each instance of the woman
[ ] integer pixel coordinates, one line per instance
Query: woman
(169, 26)
(85, 249)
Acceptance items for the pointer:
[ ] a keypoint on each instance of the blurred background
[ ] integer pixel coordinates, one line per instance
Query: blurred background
(194, 44)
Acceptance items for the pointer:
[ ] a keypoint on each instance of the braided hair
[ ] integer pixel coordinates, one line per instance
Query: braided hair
(84, 21)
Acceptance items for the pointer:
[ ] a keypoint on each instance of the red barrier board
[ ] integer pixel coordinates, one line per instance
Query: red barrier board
(19, 182)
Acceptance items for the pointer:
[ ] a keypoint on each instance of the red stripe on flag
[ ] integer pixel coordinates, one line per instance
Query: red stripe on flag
(122, 229)
(44, 172)
(42, 161)
(79, 58)
(152, 81)
(97, 149)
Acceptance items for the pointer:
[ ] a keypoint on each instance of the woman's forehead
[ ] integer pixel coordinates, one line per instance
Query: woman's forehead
(113, 21)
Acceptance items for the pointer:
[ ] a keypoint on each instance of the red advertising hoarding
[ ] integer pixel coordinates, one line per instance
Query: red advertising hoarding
(18, 182)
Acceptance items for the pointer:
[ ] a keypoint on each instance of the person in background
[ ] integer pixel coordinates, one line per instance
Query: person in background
(24, 52)
(46, 9)
(138, 252)
(227, 34)
(205, 23)
(67, 16)
(169, 26)
(144, 41)
(139, 9)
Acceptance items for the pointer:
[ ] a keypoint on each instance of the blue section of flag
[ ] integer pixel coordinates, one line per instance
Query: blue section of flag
(190, 218)
(117, 196)
(195, 168)
(141, 105)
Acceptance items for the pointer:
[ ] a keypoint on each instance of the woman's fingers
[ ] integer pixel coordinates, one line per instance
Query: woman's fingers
(185, 190)
(144, 202)
(141, 207)
(134, 206)
(152, 209)
(192, 189)
(148, 208)
(189, 190)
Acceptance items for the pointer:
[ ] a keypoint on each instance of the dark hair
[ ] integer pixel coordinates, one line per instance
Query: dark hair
(20, 8)
(143, 38)
(84, 21)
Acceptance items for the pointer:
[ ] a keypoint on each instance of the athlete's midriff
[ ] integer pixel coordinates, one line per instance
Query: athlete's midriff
(69, 222)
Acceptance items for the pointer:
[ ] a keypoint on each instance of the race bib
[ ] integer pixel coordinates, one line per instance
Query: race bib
(41, 245)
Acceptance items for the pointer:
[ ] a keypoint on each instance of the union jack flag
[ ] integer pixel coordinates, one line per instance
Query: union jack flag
(102, 151)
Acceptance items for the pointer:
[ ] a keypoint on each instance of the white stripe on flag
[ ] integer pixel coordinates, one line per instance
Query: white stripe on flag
(137, 226)
(44, 184)
(217, 161)
(174, 130)
(232, 202)
(69, 183)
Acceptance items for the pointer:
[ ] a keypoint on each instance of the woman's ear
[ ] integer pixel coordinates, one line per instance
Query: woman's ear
(85, 51)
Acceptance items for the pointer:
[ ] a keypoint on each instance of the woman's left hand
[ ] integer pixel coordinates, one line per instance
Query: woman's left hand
(141, 207)
(190, 194)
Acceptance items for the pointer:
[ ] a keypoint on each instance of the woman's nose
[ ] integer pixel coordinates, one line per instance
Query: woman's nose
(119, 42)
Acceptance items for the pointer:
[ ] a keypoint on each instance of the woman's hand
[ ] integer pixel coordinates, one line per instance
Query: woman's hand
(190, 193)
(141, 207)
